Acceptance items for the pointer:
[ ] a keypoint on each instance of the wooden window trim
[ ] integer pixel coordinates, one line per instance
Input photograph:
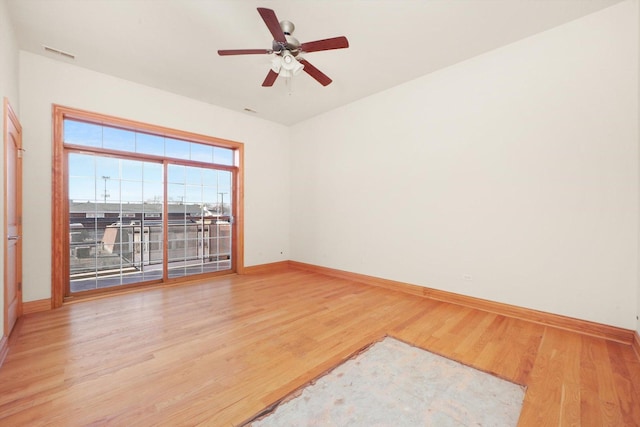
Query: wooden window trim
(60, 205)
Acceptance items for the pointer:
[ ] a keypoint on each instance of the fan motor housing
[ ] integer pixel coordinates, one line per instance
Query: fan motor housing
(292, 44)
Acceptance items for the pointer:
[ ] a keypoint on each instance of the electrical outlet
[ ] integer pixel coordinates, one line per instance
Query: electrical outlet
(467, 277)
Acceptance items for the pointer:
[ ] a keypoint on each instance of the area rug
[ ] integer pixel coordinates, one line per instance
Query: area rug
(392, 383)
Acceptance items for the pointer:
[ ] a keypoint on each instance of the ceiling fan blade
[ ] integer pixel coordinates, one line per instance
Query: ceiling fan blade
(326, 44)
(270, 79)
(269, 18)
(244, 52)
(315, 73)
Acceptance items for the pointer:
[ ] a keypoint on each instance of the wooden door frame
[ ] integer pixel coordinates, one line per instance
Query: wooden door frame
(59, 203)
(10, 116)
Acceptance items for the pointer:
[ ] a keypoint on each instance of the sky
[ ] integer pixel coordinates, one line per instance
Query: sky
(100, 178)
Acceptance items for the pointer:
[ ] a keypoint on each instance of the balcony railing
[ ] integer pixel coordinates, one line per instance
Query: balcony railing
(123, 252)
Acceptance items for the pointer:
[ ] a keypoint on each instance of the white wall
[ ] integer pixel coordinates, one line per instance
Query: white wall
(518, 168)
(44, 82)
(8, 89)
(8, 63)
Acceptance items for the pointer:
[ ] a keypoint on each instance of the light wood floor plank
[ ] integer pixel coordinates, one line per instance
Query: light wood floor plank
(216, 353)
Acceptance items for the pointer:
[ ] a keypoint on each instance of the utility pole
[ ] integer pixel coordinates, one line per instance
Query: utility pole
(105, 187)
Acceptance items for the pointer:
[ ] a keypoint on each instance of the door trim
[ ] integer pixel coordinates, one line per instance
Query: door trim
(10, 116)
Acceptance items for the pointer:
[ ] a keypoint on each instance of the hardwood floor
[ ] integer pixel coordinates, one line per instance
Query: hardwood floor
(217, 353)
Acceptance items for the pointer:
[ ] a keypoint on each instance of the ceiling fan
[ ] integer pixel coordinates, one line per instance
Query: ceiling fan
(287, 63)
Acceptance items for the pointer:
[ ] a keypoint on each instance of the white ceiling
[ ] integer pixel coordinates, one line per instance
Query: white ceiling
(172, 44)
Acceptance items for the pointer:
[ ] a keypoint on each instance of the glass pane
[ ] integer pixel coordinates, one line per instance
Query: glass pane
(224, 191)
(111, 210)
(81, 165)
(153, 172)
(131, 191)
(118, 139)
(194, 210)
(211, 196)
(131, 170)
(176, 174)
(81, 133)
(109, 190)
(175, 193)
(107, 282)
(152, 217)
(153, 192)
(155, 253)
(176, 272)
(223, 156)
(193, 194)
(209, 177)
(83, 284)
(108, 167)
(149, 144)
(176, 148)
(82, 189)
(224, 180)
(194, 176)
(201, 152)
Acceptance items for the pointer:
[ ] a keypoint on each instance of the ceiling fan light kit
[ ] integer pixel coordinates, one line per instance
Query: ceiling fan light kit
(286, 65)
(286, 48)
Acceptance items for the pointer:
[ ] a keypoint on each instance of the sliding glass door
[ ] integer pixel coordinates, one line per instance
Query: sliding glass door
(141, 204)
(199, 237)
(115, 226)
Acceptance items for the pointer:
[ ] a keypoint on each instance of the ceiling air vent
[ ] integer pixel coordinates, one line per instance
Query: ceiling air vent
(59, 52)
